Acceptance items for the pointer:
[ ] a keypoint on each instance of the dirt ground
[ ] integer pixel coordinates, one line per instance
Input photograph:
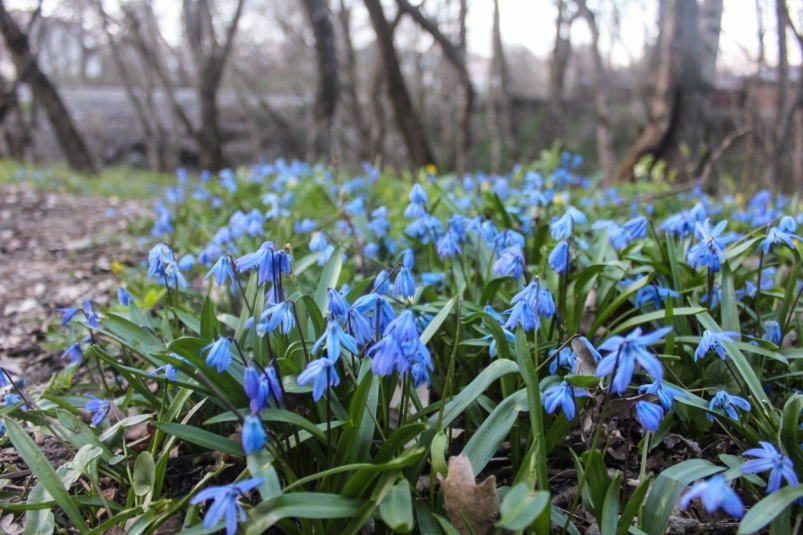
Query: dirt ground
(55, 249)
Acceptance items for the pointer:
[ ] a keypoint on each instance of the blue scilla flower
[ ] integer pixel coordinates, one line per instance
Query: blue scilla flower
(259, 387)
(407, 258)
(325, 255)
(68, 314)
(537, 297)
(448, 245)
(281, 314)
(399, 347)
(123, 296)
(318, 242)
(510, 263)
(636, 227)
(382, 282)
(562, 396)
(379, 227)
(186, 262)
(625, 352)
(98, 407)
(418, 194)
(305, 226)
(432, 279)
(652, 293)
(707, 252)
(729, 404)
(493, 313)
(457, 225)
(376, 305)
(404, 285)
(210, 254)
(565, 359)
(717, 297)
(776, 236)
(559, 258)
(522, 314)
(649, 415)
(562, 227)
(168, 369)
(508, 238)
(715, 494)
(666, 394)
(74, 353)
(492, 349)
(225, 504)
(91, 317)
(359, 325)
(712, 341)
(222, 270)
(415, 210)
(768, 457)
(787, 224)
(338, 306)
(335, 337)
(162, 267)
(252, 434)
(219, 354)
(322, 373)
(773, 333)
(271, 264)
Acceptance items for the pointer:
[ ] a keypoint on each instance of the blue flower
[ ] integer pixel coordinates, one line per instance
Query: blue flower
(404, 284)
(186, 262)
(69, 314)
(91, 317)
(776, 236)
(360, 326)
(219, 354)
(418, 194)
(712, 341)
(400, 348)
(561, 395)
(653, 293)
(260, 386)
(566, 359)
(375, 304)
(787, 224)
(222, 270)
(625, 352)
(559, 258)
(225, 503)
(162, 267)
(636, 227)
(335, 337)
(253, 434)
(767, 457)
(123, 296)
(511, 262)
(493, 313)
(649, 415)
(773, 333)
(322, 371)
(715, 494)
(448, 245)
(717, 297)
(729, 404)
(168, 369)
(538, 298)
(318, 242)
(98, 407)
(281, 314)
(74, 353)
(407, 258)
(708, 251)
(271, 264)
(666, 394)
(562, 227)
(522, 314)
(338, 306)
(382, 282)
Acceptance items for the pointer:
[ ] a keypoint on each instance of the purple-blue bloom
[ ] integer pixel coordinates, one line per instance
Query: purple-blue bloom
(335, 337)
(91, 317)
(776, 236)
(712, 341)
(123, 296)
(625, 352)
(219, 354)
(253, 434)
(404, 284)
(511, 262)
(715, 494)
(448, 245)
(400, 349)
(666, 394)
(98, 407)
(773, 333)
(225, 503)
(561, 395)
(708, 251)
(323, 373)
(338, 306)
(729, 404)
(559, 258)
(74, 353)
(222, 270)
(649, 415)
(69, 314)
(768, 457)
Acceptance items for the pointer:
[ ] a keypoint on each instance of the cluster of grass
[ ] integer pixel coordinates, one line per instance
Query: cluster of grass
(345, 343)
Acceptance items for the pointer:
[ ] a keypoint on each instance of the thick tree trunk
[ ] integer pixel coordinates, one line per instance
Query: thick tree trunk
(419, 152)
(674, 128)
(71, 142)
(350, 84)
(557, 68)
(710, 29)
(327, 93)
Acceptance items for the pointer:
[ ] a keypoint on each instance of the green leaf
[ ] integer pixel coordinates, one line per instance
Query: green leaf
(331, 272)
(730, 312)
(437, 321)
(605, 313)
(396, 509)
(667, 489)
(209, 323)
(609, 516)
(789, 432)
(382, 488)
(582, 381)
(43, 470)
(529, 371)
(144, 474)
(132, 335)
(632, 506)
(521, 507)
(260, 464)
(313, 505)
(438, 455)
(39, 521)
(655, 316)
(486, 441)
(768, 508)
(201, 437)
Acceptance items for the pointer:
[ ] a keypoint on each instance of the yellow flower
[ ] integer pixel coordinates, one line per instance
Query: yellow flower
(558, 199)
(117, 267)
(431, 169)
(739, 199)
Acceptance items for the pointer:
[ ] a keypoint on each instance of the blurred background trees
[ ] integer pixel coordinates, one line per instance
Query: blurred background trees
(208, 84)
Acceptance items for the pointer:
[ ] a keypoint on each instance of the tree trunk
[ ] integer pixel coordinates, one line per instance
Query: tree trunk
(419, 152)
(601, 99)
(350, 83)
(377, 112)
(710, 28)
(327, 93)
(557, 68)
(71, 142)
(674, 128)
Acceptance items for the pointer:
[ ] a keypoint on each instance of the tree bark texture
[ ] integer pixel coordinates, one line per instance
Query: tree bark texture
(419, 152)
(69, 138)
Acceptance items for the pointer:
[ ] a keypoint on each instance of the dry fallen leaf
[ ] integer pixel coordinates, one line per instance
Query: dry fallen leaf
(585, 360)
(468, 502)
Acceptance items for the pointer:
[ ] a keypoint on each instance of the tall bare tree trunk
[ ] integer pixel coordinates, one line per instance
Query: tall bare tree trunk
(674, 128)
(71, 142)
(601, 98)
(419, 152)
(350, 83)
(327, 93)
(499, 114)
(376, 111)
(557, 67)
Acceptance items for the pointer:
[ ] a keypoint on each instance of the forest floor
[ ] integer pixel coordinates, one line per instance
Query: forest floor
(55, 250)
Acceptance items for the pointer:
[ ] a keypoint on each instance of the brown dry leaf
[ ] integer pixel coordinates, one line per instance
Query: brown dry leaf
(467, 501)
(585, 360)
(621, 407)
(589, 312)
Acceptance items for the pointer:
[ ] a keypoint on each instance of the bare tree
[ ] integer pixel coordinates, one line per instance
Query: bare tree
(419, 152)
(69, 138)
(326, 95)
(499, 105)
(350, 82)
(674, 128)
(559, 64)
